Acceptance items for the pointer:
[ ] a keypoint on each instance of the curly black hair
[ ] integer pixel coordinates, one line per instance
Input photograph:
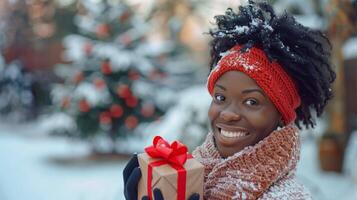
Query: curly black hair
(304, 53)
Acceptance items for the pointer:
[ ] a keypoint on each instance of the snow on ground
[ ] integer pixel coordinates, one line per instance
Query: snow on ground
(29, 170)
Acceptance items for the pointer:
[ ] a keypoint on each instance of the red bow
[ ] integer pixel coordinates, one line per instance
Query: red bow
(176, 153)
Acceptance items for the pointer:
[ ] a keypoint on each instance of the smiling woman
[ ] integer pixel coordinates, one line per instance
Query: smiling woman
(240, 113)
(269, 74)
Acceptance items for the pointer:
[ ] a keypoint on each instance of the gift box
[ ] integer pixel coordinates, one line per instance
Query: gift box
(171, 169)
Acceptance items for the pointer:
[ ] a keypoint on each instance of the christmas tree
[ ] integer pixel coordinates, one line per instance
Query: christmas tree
(107, 89)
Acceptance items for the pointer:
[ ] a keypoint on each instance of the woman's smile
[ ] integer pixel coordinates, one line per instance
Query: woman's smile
(228, 135)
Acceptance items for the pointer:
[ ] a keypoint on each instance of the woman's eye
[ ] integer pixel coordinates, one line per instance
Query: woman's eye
(251, 102)
(219, 97)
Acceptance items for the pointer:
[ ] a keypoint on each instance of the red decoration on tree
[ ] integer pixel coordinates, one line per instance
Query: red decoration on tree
(131, 101)
(131, 122)
(156, 75)
(116, 111)
(123, 91)
(125, 16)
(84, 106)
(88, 48)
(133, 75)
(105, 118)
(125, 39)
(99, 83)
(148, 110)
(103, 30)
(78, 77)
(66, 102)
(106, 68)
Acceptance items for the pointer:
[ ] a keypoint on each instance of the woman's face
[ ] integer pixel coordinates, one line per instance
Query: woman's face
(240, 113)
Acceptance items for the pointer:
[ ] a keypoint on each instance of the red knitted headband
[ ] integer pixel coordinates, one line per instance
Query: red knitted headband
(270, 77)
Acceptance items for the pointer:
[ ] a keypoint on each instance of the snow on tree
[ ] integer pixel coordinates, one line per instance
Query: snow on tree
(107, 87)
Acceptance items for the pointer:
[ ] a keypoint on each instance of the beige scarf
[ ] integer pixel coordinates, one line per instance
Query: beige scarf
(254, 171)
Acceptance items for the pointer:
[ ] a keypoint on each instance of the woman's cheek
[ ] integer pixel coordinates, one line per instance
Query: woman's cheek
(212, 111)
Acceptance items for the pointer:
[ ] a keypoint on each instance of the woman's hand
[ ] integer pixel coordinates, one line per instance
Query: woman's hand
(131, 175)
(158, 196)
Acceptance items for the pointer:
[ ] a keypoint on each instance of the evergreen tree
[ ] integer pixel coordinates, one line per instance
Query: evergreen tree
(106, 89)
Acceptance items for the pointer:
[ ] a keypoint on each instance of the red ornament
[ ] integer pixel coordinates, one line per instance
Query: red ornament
(102, 30)
(131, 122)
(125, 39)
(105, 118)
(116, 111)
(88, 48)
(84, 106)
(125, 16)
(131, 101)
(99, 83)
(133, 75)
(123, 91)
(66, 102)
(78, 77)
(156, 75)
(106, 68)
(148, 110)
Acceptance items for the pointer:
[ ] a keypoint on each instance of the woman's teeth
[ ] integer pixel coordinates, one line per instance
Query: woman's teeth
(233, 134)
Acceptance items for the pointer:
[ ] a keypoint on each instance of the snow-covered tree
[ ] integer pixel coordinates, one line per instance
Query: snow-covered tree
(108, 89)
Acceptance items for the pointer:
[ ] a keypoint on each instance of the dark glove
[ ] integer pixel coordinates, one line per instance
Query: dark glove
(131, 175)
(158, 196)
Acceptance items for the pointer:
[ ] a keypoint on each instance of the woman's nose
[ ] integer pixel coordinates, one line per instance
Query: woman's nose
(229, 114)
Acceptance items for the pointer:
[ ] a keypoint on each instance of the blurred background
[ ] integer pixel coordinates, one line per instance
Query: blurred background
(86, 83)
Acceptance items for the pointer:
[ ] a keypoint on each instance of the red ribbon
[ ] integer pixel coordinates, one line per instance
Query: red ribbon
(175, 155)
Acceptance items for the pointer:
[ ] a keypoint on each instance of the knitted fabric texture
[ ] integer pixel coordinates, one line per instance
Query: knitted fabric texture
(270, 77)
(265, 170)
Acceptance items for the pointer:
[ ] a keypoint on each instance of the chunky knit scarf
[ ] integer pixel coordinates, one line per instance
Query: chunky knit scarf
(263, 171)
